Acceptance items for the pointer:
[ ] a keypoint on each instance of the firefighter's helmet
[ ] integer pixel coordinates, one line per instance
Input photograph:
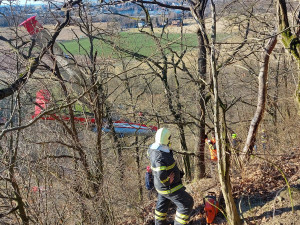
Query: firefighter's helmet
(163, 136)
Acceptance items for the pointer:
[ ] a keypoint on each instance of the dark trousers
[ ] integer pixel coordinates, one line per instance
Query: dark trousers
(184, 202)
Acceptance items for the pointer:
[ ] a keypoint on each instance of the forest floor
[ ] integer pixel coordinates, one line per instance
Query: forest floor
(260, 192)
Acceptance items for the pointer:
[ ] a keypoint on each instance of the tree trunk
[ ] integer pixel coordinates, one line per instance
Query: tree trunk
(201, 111)
(186, 158)
(261, 100)
(179, 122)
(200, 140)
(222, 144)
(224, 164)
(289, 40)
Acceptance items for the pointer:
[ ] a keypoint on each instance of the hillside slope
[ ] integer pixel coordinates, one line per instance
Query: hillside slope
(260, 191)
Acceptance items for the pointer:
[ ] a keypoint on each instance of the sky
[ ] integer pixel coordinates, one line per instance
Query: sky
(28, 2)
(35, 2)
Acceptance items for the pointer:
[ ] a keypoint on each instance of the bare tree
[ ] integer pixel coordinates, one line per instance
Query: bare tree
(261, 100)
(221, 137)
(290, 36)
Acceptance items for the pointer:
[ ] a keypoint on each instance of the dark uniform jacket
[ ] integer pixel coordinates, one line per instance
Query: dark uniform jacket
(162, 165)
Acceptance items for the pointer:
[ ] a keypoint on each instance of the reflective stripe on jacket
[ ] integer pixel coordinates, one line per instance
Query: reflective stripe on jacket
(162, 165)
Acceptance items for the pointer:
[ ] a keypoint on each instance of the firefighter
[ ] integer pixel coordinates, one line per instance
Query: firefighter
(212, 147)
(235, 143)
(264, 140)
(213, 154)
(167, 181)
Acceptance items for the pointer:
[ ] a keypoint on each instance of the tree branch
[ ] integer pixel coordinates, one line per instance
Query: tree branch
(34, 62)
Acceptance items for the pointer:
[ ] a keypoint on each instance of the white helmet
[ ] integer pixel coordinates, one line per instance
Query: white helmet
(162, 136)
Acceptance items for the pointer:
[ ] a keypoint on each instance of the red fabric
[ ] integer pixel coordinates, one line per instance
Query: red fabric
(32, 25)
(42, 99)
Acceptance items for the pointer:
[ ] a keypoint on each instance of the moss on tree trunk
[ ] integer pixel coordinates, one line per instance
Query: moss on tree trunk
(289, 40)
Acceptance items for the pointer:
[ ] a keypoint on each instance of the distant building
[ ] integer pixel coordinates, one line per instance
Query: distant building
(141, 24)
(176, 23)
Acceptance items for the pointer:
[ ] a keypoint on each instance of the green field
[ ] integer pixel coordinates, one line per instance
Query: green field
(132, 42)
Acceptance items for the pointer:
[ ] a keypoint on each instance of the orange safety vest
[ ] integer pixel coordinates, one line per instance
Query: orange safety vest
(212, 149)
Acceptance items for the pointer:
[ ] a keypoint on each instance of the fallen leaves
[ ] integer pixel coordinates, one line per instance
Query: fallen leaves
(263, 177)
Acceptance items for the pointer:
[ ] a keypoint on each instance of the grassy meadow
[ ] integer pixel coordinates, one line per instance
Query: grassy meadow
(133, 42)
(140, 43)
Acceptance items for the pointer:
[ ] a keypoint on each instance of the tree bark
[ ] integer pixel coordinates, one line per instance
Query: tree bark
(261, 99)
(224, 174)
(201, 111)
(289, 40)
